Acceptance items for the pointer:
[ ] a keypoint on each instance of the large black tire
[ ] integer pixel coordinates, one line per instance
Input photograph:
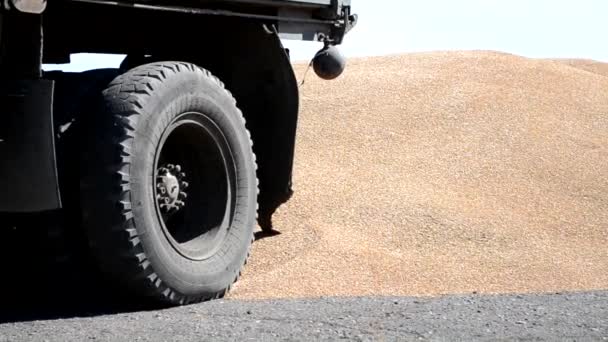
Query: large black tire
(150, 119)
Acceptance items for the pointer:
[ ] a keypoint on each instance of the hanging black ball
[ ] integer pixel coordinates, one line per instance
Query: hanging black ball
(329, 63)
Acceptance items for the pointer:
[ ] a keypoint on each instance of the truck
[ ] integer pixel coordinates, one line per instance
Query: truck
(158, 170)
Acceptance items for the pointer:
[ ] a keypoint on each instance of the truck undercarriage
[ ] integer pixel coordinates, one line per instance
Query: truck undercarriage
(198, 48)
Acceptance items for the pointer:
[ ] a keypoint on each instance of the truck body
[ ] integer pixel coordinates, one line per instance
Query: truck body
(236, 44)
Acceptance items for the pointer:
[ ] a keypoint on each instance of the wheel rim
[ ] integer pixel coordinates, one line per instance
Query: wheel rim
(194, 186)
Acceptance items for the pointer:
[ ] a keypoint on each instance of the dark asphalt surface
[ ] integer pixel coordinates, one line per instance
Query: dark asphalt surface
(570, 317)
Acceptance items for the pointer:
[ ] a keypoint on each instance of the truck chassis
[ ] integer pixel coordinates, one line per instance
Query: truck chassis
(164, 165)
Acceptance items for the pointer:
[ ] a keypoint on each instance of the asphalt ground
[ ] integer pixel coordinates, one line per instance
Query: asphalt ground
(548, 317)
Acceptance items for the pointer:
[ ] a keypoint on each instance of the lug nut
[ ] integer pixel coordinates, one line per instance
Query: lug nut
(184, 185)
(178, 168)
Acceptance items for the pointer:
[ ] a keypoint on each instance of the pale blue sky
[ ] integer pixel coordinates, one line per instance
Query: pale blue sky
(532, 28)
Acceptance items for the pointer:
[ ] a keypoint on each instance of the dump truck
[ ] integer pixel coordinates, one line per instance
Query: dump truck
(165, 165)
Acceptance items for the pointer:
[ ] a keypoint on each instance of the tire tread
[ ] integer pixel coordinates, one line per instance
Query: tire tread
(121, 246)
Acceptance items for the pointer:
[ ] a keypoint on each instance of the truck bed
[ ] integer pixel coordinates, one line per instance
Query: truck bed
(146, 25)
(296, 3)
(294, 19)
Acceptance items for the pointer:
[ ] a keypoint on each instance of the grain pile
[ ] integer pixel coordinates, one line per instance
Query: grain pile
(442, 173)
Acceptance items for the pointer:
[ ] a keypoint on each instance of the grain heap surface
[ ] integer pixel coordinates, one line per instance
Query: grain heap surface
(444, 172)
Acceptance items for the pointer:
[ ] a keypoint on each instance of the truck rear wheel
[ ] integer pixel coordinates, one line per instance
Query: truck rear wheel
(169, 188)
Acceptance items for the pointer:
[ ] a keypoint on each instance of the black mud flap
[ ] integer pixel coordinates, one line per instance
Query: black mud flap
(28, 170)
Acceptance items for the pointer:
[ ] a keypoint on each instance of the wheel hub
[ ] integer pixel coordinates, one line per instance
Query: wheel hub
(170, 185)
